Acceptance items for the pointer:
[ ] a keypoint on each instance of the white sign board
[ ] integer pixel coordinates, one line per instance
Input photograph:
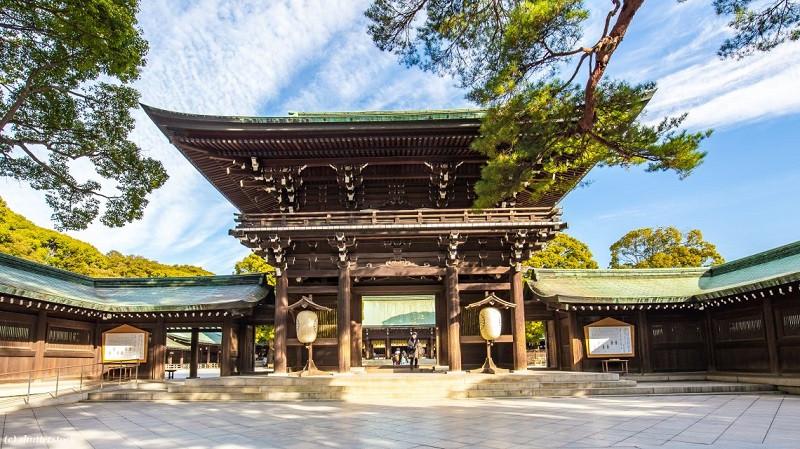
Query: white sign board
(124, 346)
(610, 341)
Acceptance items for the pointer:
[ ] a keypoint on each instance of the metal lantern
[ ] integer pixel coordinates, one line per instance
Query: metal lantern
(491, 323)
(307, 325)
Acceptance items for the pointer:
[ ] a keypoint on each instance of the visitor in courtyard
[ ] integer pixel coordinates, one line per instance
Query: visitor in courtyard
(396, 357)
(414, 350)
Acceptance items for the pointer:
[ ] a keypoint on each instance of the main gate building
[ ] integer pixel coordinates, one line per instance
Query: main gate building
(361, 208)
(345, 205)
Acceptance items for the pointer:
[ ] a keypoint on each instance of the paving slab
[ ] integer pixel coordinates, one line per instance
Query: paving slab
(672, 422)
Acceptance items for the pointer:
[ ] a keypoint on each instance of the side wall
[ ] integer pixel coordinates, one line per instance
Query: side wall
(760, 335)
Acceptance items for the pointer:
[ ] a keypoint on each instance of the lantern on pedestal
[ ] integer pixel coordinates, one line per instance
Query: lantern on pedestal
(490, 323)
(307, 325)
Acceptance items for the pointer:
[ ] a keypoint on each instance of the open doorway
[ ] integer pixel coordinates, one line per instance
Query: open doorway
(388, 322)
(536, 343)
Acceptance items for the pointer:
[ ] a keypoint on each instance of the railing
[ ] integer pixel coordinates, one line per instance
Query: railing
(65, 378)
(387, 217)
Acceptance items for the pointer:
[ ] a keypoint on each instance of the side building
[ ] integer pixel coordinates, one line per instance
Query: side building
(739, 317)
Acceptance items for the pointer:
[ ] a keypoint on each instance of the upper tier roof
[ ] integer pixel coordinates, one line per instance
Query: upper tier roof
(772, 268)
(31, 280)
(394, 143)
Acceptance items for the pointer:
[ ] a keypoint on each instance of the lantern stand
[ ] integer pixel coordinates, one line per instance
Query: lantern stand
(489, 315)
(306, 322)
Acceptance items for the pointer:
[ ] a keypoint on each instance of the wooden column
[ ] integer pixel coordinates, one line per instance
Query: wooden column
(518, 322)
(453, 318)
(441, 329)
(575, 342)
(281, 321)
(226, 364)
(355, 332)
(343, 305)
(711, 357)
(646, 365)
(771, 335)
(159, 349)
(552, 342)
(194, 353)
(39, 343)
(246, 348)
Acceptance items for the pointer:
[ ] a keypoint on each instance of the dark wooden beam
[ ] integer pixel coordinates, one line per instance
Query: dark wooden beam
(471, 270)
(313, 289)
(384, 271)
(483, 286)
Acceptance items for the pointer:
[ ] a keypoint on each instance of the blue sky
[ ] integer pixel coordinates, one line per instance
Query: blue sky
(251, 58)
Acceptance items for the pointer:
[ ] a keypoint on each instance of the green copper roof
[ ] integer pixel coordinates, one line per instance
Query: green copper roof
(31, 280)
(205, 338)
(770, 268)
(328, 117)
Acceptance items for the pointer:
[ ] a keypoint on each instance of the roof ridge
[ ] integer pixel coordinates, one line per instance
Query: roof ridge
(40, 268)
(615, 272)
(65, 275)
(322, 116)
(780, 252)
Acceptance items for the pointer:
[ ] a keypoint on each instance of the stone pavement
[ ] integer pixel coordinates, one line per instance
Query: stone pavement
(702, 421)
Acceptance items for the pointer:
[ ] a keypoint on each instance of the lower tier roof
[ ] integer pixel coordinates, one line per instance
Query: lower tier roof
(31, 280)
(772, 268)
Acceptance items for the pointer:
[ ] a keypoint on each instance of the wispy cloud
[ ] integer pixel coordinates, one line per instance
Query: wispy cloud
(249, 58)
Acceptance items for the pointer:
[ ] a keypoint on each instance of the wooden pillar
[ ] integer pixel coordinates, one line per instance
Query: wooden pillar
(711, 356)
(246, 348)
(226, 364)
(159, 349)
(194, 353)
(771, 335)
(355, 332)
(39, 343)
(552, 343)
(453, 318)
(518, 322)
(343, 317)
(575, 344)
(645, 363)
(441, 329)
(281, 321)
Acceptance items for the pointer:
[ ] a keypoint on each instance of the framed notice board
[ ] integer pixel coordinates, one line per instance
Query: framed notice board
(609, 338)
(125, 344)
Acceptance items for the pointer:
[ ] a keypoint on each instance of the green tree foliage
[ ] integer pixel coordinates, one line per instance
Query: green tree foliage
(663, 248)
(534, 332)
(265, 334)
(759, 29)
(21, 238)
(65, 72)
(255, 264)
(563, 251)
(539, 126)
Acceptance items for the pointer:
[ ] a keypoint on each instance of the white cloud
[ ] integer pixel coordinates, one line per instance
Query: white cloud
(232, 57)
(726, 92)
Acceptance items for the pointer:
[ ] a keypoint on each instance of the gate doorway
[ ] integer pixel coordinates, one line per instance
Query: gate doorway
(387, 324)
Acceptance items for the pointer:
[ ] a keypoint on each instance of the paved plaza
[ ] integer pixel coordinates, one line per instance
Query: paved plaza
(703, 421)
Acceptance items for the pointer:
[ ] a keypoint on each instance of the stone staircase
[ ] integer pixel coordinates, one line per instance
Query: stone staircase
(372, 388)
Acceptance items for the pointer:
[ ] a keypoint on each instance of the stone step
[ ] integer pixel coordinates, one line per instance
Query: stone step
(212, 396)
(253, 389)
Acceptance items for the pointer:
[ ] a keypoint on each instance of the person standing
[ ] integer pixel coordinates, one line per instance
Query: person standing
(414, 351)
